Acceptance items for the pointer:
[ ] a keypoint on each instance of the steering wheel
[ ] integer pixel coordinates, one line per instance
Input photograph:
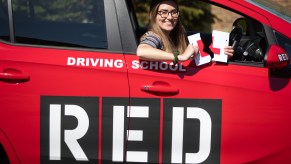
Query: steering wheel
(235, 37)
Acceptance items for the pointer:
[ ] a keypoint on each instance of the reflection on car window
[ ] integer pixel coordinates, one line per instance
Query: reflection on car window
(60, 23)
(4, 25)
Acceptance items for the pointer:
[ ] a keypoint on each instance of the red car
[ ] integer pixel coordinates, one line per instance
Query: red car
(72, 89)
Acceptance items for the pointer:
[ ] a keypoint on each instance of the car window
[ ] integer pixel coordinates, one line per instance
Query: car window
(60, 23)
(203, 17)
(253, 44)
(196, 16)
(4, 25)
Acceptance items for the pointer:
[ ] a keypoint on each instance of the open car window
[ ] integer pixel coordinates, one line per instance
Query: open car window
(202, 17)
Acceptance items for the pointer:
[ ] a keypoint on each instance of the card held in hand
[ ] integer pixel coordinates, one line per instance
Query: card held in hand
(210, 48)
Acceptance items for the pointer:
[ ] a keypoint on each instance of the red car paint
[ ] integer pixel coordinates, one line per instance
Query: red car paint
(255, 113)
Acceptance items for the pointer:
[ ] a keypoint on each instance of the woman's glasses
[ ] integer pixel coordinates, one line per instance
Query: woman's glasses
(165, 13)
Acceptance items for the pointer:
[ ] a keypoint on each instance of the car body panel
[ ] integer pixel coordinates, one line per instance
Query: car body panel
(245, 101)
(52, 73)
(241, 112)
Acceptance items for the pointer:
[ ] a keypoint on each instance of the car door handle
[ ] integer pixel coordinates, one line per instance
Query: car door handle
(160, 87)
(13, 75)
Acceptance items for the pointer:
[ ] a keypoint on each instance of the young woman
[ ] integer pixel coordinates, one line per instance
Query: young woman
(166, 36)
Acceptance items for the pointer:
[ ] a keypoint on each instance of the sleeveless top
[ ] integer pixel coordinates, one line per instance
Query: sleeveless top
(152, 39)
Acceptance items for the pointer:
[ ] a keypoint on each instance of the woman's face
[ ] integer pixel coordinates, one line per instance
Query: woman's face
(167, 16)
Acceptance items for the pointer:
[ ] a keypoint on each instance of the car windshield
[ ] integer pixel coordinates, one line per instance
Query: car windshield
(281, 8)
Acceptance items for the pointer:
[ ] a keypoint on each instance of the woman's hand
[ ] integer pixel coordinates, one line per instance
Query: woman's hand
(189, 54)
(228, 51)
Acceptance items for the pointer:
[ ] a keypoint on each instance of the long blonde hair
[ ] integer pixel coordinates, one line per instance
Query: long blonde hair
(177, 38)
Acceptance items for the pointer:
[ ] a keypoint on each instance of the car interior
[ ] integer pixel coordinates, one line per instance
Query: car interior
(252, 44)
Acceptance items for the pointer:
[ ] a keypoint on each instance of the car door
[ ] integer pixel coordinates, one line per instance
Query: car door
(233, 112)
(60, 62)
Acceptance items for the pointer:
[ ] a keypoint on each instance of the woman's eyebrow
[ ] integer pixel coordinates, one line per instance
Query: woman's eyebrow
(168, 10)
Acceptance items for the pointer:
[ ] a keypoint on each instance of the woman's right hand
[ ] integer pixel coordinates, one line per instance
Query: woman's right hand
(189, 54)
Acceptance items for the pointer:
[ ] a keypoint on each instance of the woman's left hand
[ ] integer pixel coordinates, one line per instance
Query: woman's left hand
(228, 51)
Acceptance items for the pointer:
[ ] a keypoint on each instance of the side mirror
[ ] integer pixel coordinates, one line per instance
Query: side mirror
(276, 57)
